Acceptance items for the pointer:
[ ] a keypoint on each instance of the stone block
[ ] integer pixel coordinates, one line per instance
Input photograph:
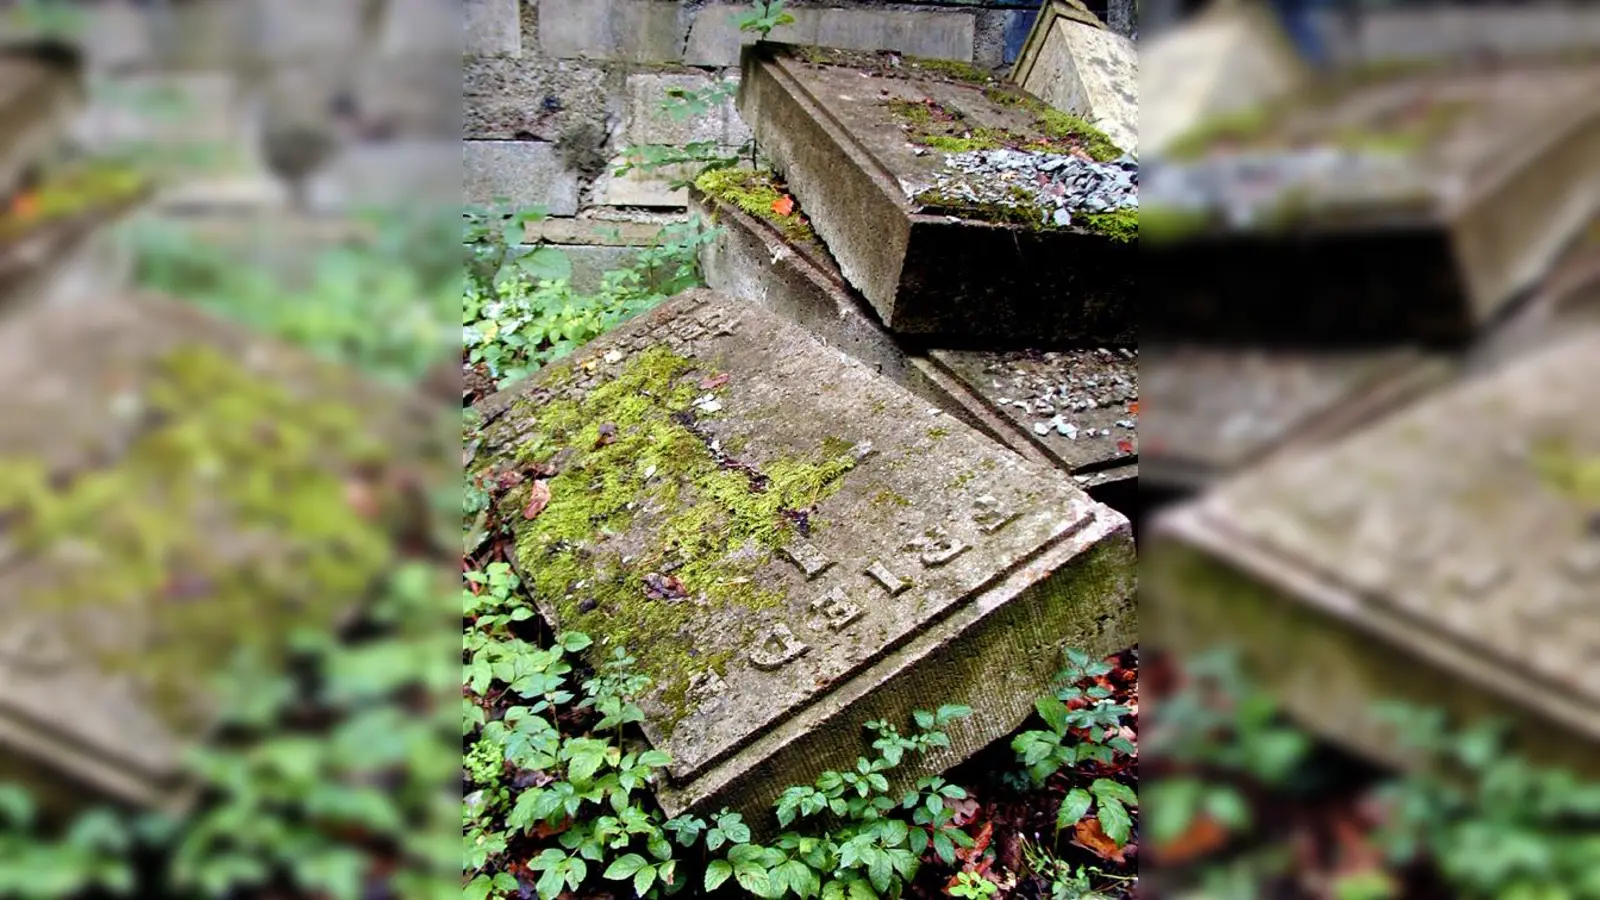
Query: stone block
(1085, 69)
(639, 31)
(493, 28)
(715, 38)
(165, 110)
(527, 173)
(897, 216)
(506, 99)
(640, 189)
(1412, 207)
(753, 260)
(283, 30)
(107, 662)
(769, 647)
(433, 26)
(649, 123)
(414, 174)
(1466, 558)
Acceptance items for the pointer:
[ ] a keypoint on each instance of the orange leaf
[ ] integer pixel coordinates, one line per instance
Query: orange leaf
(25, 205)
(784, 205)
(715, 381)
(1134, 407)
(538, 501)
(1202, 836)
(1088, 835)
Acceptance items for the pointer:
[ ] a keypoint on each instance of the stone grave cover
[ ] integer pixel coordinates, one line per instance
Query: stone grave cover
(1073, 62)
(1413, 206)
(176, 491)
(792, 546)
(1448, 557)
(777, 262)
(1219, 410)
(959, 207)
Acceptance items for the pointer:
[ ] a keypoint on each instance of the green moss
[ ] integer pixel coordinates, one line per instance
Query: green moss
(74, 192)
(1119, 225)
(1063, 126)
(933, 125)
(910, 111)
(954, 70)
(886, 497)
(221, 445)
(1166, 224)
(684, 513)
(1567, 472)
(1259, 127)
(756, 194)
(938, 432)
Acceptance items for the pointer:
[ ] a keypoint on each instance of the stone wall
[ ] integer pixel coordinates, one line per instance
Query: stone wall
(555, 90)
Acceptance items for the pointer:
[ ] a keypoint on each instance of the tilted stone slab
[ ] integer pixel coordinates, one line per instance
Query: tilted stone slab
(1074, 62)
(996, 392)
(1228, 58)
(60, 247)
(1448, 557)
(761, 521)
(177, 492)
(1218, 411)
(38, 95)
(837, 127)
(1567, 298)
(1410, 207)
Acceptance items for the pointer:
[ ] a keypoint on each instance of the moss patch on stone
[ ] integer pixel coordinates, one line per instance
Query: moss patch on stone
(222, 527)
(1567, 471)
(71, 193)
(931, 124)
(632, 463)
(758, 194)
(1119, 225)
(1026, 212)
(1262, 127)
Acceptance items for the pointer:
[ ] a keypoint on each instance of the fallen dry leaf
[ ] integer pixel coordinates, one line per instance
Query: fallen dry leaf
(715, 381)
(784, 205)
(1088, 835)
(361, 498)
(1203, 836)
(538, 500)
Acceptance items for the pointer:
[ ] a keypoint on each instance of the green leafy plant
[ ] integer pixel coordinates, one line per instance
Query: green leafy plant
(763, 17)
(1066, 881)
(973, 885)
(496, 250)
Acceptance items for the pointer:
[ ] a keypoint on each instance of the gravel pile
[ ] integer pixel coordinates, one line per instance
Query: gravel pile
(1244, 186)
(1079, 395)
(1059, 184)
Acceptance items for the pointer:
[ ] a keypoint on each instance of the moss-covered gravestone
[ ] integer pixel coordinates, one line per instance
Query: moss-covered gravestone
(792, 545)
(959, 207)
(1073, 62)
(1448, 557)
(1218, 410)
(1416, 206)
(175, 494)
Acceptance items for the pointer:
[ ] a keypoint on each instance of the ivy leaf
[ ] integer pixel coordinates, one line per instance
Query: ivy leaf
(625, 868)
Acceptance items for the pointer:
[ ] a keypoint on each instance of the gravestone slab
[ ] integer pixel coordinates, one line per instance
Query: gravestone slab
(1446, 557)
(1412, 207)
(1568, 298)
(757, 259)
(178, 492)
(955, 206)
(1220, 410)
(752, 515)
(1075, 63)
(1231, 57)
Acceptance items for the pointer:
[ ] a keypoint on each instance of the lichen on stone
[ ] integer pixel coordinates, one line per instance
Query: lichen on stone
(648, 529)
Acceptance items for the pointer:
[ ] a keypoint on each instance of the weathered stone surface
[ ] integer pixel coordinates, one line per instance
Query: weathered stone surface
(1230, 57)
(640, 189)
(528, 173)
(929, 266)
(649, 123)
(415, 174)
(751, 514)
(167, 112)
(506, 99)
(1455, 543)
(640, 31)
(1567, 298)
(1217, 411)
(36, 100)
(715, 38)
(1415, 207)
(752, 259)
(138, 428)
(433, 27)
(493, 28)
(1409, 34)
(1083, 68)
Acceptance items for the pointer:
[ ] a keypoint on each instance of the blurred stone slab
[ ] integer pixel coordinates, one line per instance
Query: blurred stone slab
(1568, 298)
(62, 249)
(715, 38)
(753, 259)
(1414, 207)
(1075, 63)
(1218, 410)
(836, 126)
(1228, 58)
(1448, 557)
(38, 96)
(528, 173)
(153, 455)
(774, 548)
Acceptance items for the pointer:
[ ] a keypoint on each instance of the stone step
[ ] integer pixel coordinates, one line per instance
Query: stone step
(152, 454)
(768, 261)
(1409, 207)
(1448, 557)
(937, 251)
(64, 247)
(792, 546)
(1073, 62)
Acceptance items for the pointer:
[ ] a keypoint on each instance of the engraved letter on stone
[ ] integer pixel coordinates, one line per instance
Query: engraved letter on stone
(836, 610)
(937, 547)
(990, 515)
(807, 558)
(775, 648)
